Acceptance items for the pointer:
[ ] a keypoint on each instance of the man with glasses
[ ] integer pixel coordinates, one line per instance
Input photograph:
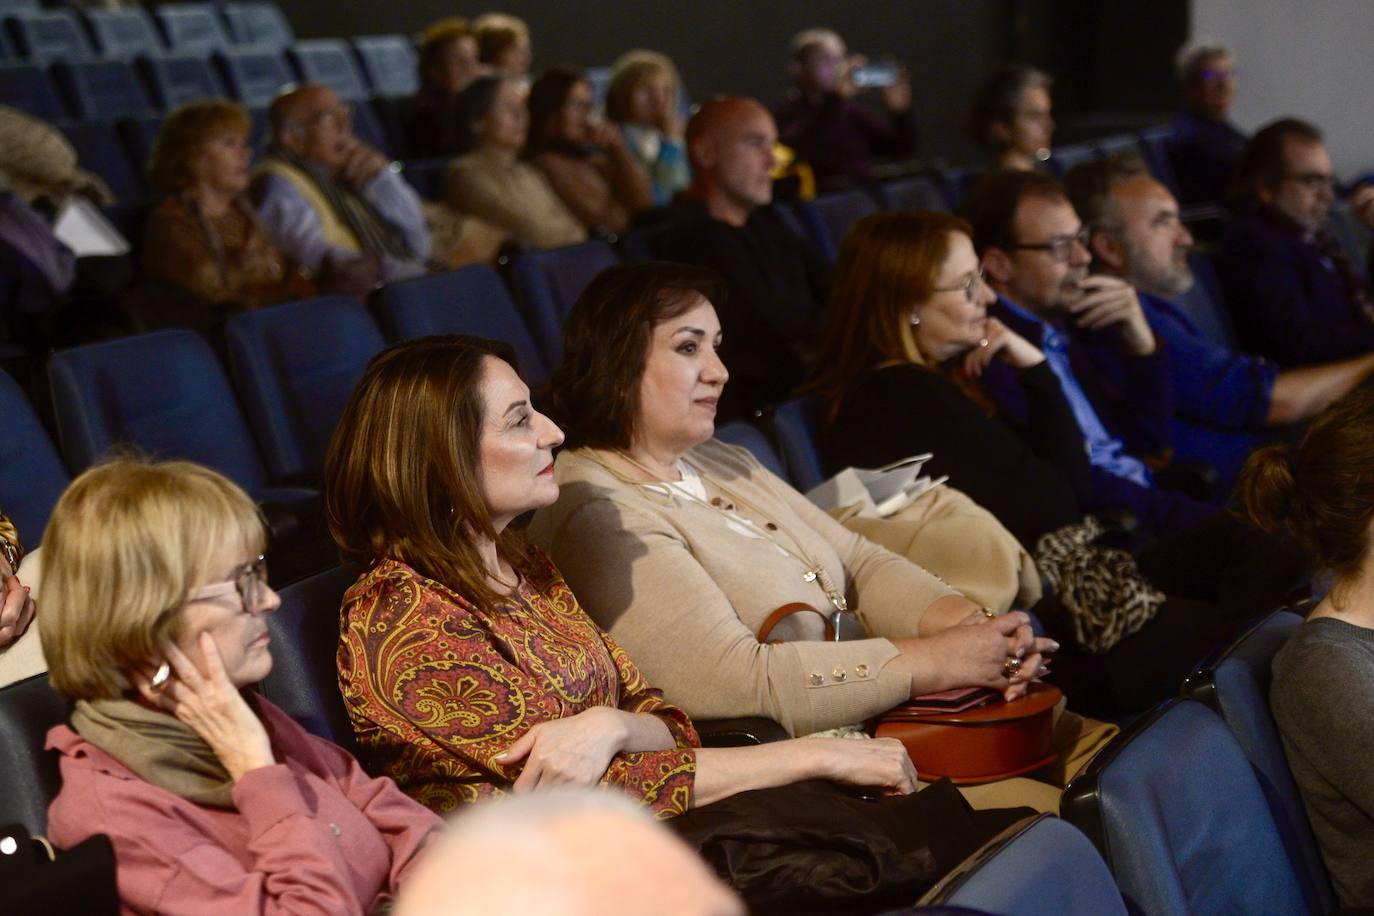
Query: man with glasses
(332, 203)
(1205, 145)
(1294, 294)
(1227, 402)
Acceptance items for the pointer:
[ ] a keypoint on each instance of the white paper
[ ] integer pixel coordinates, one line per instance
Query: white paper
(879, 491)
(86, 231)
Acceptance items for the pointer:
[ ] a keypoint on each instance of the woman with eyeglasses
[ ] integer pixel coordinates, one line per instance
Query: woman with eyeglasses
(907, 340)
(215, 800)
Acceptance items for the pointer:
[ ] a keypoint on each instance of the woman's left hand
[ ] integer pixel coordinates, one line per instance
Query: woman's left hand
(16, 608)
(576, 750)
(1004, 343)
(1032, 651)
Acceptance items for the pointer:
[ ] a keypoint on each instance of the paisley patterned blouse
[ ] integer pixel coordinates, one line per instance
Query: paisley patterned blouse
(437, 688)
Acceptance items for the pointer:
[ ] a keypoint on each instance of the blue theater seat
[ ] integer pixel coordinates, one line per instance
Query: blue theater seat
(27, 88)
(828, 217)
(426, 176)
(1174, 807)
(549, 282)
(914, 193)
(34, 475)
(28, 708)
(1204, 305)
(294, 366)
(956, 183)
(794, 428)
(103, 89)
(254, 76)
(175, 79)
(389, 63)
(1066, 157)
(98, 149)
(1154, 147)
(1236, 685)
(191, 28)
(472, 300)
(139, 135)
(750, 437)
(44, 36)
(328, 61)
(123, 33)
(260, 24)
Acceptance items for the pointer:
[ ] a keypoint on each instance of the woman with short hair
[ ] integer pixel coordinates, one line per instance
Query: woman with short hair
(1012, 119)
(643, 99)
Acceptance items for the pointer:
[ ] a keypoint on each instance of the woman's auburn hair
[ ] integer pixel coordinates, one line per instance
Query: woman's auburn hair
(594, 394)
(183, 134)
(888, 264)
(402, 476)
(127, 543)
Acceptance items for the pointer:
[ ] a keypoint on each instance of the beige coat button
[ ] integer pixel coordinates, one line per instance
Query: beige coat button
(817, 680)
(334, 828)
(861, 671)
(838, 674)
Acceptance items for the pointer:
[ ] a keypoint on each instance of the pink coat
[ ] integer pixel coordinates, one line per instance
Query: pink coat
(312, 834)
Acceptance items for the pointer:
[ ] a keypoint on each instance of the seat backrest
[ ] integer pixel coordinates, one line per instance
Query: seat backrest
(256, 23)
(914, 193)
(389, 62)
(34, 475)
(1174, 808)
(1236, 684)
(163, 392)
(549, 282)
(123, 33)
(329, 61)
(304, 680)
(956, 183)
(294, 366)
(103, 89)
(28, 708)
(472, 300)
(1043, 866)
(139, 136)
(191, 28)
(99, 149)
(828, 217)
(794, 428)
(44, 36)
(748, 436)
(254, 76)
(1066, 157)
(27, 88)
(1203, 304)
(426, 176)
(1154, 147)
(178, 78)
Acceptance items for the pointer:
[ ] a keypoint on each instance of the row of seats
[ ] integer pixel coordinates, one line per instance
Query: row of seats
(46, 35)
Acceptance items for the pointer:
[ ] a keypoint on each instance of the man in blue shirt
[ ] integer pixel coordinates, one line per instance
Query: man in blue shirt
(1226, 402)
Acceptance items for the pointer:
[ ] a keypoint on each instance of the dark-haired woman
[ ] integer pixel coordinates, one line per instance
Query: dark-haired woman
(1324, 676)
(1011, 117)
(584, 158)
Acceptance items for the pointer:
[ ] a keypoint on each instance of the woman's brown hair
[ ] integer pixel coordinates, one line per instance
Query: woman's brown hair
(594, 394)
(888, 262)
(402, 475)
(1325, 494)
(183, 134)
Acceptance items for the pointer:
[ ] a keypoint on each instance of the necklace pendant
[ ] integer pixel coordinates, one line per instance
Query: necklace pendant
(809, 576)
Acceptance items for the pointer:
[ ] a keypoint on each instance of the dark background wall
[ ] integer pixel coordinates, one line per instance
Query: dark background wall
(740, 46)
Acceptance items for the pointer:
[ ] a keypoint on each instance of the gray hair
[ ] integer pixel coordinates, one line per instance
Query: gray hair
(1190, 58)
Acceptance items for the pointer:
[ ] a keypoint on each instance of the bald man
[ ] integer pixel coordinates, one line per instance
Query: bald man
(777, 281)
(563, 852)
(332, 203)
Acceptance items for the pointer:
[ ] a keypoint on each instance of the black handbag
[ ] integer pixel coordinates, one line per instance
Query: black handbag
(37, 880)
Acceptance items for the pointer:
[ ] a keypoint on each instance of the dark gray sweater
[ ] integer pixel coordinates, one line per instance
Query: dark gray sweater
(1323, 700)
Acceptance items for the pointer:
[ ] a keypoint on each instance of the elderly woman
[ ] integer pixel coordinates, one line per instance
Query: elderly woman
(491, 182)
(1325, 672)
(584, 158)
(215, 800)
(203, 237)
(642, 98)
(1011, 117)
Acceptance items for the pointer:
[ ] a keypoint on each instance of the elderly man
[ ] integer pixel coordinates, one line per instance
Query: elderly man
(820, 119)
(1295, 296)
(332, 203)
(1225, 400)
(1205, 145)
(777, 281)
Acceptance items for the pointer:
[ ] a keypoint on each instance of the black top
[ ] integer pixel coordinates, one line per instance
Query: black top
(1031, 478)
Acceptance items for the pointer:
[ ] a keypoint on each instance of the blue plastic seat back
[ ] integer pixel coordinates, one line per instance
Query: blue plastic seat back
(329, 61)
(368, 128)
(103, 89)
(254, 76)
(27, 88)
(191, 28)
(15, 6)
(1043, 867)
(259, 24)
(139, 136)
(472, 300)
(44, 36)
(123, 33)
(794, 427)
(426, 176)
(294, 366)
(28, 708)
(304, 680)
(1353, 235)
(98, 149)
(1154, 147)
(827, 218)
(1204, 305)
(176, 79)
(748, 436)
(164, 392)
(1175, 809)
(34, 474)
(549, 282)
(1236, 684)
(956, 183)
(1066, 157)
(389, 62)
(915, 193)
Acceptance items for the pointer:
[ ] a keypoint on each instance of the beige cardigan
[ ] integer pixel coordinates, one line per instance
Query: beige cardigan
(513, 195)
(685, 595)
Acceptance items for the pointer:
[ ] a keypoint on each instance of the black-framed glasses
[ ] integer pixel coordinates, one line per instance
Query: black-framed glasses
(970, 283)
(1060, 247)
(1314, 181)
(249, 581)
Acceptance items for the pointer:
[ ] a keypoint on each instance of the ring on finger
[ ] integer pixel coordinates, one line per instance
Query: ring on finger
(161, 678)
(982, 342)
(1011, 667)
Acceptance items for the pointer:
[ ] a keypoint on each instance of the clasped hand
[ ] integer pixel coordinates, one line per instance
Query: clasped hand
(977, 649)
(576, 750)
